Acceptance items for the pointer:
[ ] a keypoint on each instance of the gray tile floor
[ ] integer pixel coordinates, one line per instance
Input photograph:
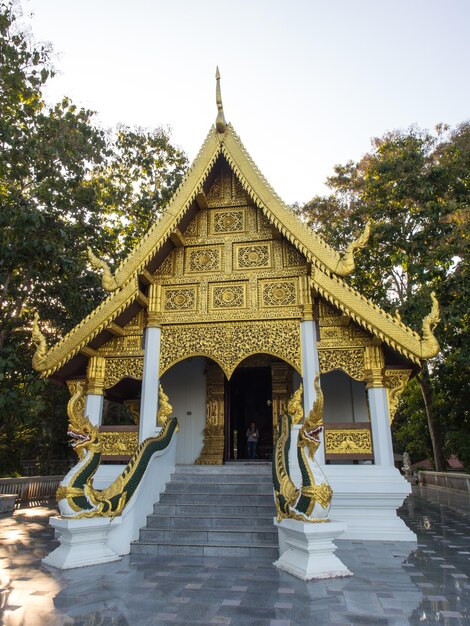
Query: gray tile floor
(394, 584)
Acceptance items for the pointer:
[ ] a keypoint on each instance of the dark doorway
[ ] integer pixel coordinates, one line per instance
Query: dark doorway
(248, 396)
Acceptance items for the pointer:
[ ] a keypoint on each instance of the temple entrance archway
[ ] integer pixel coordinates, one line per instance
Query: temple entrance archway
(248, 397)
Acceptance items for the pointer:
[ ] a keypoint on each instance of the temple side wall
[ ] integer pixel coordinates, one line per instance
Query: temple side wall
(185, 385)
(345, 398)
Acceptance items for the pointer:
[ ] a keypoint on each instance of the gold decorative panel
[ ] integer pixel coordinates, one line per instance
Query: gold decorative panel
(328, 314)
(129, 345)
(226, 189)
(279, 293)
(213, 449)
(229, 343)
(191, 229)
(395, 381)
(228, 221)
(166, 266)
(348, 441)
(203, 259)
(253, 256)
(350, 361)
(228, 296)
(179, 298)
(343, 337)
(118, 368)
(117, 443)
(292, 257)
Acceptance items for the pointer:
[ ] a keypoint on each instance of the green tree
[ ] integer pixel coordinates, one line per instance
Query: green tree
(65, 183)
(414, 188)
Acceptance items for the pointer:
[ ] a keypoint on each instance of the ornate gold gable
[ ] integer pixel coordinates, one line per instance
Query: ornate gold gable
(243, 257)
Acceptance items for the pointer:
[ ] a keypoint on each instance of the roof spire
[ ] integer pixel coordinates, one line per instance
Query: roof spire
(220, 122)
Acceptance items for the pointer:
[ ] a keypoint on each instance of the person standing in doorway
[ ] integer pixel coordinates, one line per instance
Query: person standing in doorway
(252, 436)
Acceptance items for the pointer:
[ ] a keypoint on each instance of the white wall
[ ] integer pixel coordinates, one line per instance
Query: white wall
(345, 398)
(185, 386)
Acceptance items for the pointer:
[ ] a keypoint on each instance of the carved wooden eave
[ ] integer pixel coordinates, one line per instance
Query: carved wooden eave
(79, 338)
(168, 233)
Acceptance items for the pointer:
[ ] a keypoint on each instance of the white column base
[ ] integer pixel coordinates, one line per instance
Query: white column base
(82, 542)
(366, 498)
(307, 549)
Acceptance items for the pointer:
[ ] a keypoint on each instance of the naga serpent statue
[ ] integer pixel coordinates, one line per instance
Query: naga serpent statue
(309, 502)
(76, 495)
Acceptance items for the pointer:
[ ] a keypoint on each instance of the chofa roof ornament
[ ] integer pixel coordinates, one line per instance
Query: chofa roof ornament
(220, 123)
(40, 356)
(429, 344)
(108, 280)
(346, 263)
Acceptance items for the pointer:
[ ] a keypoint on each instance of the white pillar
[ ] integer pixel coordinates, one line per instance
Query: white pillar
(380, 426)
(94, 408)
(150, 382)
(310, 368)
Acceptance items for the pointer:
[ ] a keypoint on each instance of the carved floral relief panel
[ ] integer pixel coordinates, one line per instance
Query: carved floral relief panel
(179, 298)
(203, 259)
(292, 257)
(227, 221)
(228, 296)
(278, 293)
(253, 256)
(166, 267)
(226, 190)
(230, 343)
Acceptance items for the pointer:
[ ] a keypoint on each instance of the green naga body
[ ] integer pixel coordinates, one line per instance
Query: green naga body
(309, 502)
(76, 495)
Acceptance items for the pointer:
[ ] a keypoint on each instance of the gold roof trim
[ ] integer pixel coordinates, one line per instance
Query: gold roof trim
(311, 245)
(374, 319)
(88, 328)
(159, 232)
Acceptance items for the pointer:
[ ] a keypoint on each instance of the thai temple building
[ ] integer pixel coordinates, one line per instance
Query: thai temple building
(230, 303)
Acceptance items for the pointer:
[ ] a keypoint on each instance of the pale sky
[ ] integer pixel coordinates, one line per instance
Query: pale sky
(306, 84)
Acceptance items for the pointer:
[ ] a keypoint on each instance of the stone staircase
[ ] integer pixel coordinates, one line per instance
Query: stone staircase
(213, 510)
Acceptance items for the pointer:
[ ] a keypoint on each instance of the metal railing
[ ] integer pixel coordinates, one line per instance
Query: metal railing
(446, 480)
(30, 488)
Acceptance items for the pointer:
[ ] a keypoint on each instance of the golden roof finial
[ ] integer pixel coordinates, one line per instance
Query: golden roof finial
(220, 122)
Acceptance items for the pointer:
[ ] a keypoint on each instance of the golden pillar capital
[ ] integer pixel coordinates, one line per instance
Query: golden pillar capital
(154, 311)
(95, 375)
(374, 364)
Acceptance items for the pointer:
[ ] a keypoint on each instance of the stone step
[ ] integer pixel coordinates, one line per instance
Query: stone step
(205, 479)
(246, 551)
(225, 488)
(213, 510)
(216, 498)
(176, 521)
(219, 510)
(217, 536)
(220, 470)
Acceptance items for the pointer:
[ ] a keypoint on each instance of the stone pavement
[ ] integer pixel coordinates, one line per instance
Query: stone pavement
(394, 584)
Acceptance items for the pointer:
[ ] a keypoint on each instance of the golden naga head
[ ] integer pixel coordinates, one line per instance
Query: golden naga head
(84, 436)
(108, 280)
(346, 263)
(429, 344)
(309, 434)
(40, 356)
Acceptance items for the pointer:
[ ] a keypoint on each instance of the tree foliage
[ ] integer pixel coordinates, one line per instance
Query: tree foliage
(414, 187)
(65, 183)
